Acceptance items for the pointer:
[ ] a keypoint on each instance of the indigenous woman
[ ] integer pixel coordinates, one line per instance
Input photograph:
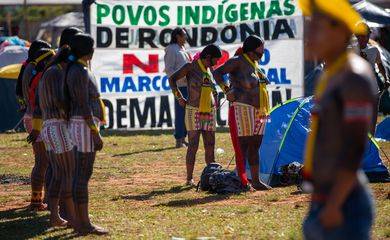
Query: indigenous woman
(86, 115)
(35, 46)
(31, 75)
(200, 116)
(249, 108)
(56, 136)
(65, 38)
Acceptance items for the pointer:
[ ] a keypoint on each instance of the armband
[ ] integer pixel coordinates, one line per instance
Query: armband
(37, 124)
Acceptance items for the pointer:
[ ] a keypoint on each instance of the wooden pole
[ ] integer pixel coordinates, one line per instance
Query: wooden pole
(9, 23)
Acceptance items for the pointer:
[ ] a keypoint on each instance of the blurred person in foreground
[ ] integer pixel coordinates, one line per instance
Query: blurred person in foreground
(175, 57)
(200, 112)
(341, 203)
(371, 53)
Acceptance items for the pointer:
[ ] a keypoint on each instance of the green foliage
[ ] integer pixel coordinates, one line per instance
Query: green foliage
(35, 13)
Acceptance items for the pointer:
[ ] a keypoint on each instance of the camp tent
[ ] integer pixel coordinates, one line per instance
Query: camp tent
(12, 55)
(54, 27)
(8, 104)
(373, 14)
(284, 143)
(383, 129)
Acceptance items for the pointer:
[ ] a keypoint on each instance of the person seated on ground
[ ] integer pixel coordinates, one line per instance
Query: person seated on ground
(200, 118)
(249, 106)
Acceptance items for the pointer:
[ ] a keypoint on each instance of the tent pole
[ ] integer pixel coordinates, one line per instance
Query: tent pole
(9, 23)
(384, 153)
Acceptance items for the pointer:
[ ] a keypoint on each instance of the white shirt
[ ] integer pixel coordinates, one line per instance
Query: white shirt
(175, 57)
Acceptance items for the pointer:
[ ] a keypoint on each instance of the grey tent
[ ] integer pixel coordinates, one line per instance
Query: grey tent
(13, 54)
(374, 15)
(55, 26)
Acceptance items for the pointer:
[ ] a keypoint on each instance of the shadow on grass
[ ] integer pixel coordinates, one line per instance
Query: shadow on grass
(194, 201)
(155, 132)
(126, 133)
(143, 151)
(12, 178)
(147, 196)
(21, 223)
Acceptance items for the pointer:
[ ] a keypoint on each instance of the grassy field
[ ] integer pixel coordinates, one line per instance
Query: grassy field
(137, 192)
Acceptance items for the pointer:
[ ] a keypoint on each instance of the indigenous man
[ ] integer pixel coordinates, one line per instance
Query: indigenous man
(86, 115)
(200, 116)
(341, 206)
(249, 108)
(373, 56)
(31, 75)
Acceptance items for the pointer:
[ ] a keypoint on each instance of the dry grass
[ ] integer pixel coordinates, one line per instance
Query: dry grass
(137, 193)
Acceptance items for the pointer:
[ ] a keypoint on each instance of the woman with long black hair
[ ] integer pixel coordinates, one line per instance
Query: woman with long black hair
(31, 75)
(86, 115)
(32, 51)
(55, 133)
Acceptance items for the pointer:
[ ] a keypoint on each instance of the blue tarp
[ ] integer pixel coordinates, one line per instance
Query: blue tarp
(285, 137)
(383, 129)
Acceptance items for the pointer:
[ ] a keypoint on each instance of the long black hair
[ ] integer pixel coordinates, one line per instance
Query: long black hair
(81, 45)
(67, 35)
(176, 32)
(40, 61)
(32, 51)
(64, 50)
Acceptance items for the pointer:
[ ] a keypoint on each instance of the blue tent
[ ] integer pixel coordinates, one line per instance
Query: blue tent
(285, 137)
(383, 129)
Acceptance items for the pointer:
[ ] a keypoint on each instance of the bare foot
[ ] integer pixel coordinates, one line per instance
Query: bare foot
(38, 207)
(58, 222)
(261, 186)
(190, 183)
(93, 229)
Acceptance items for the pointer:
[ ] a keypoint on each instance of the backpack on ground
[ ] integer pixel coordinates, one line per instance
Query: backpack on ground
(204, 178)
(215, 179)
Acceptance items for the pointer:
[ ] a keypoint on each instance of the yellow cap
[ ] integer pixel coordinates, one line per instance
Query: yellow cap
(340, 10)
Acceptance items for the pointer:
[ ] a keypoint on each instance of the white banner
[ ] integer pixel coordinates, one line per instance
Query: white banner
(129, 58)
